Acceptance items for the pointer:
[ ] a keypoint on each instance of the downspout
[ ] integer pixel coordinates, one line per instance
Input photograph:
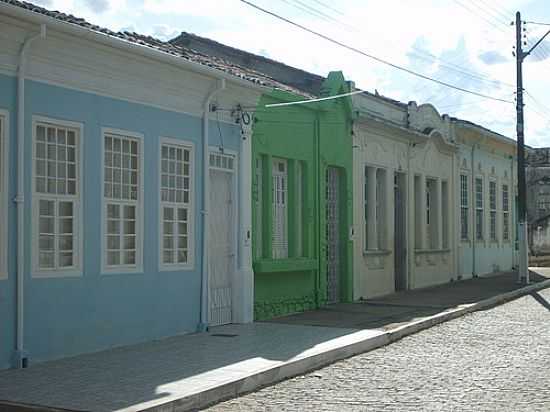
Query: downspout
(20, 357)
(474, 223)
(317, 134)
(410, 215)
(219, 86)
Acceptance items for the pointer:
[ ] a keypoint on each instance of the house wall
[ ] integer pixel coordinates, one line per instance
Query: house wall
(388, 137)
(73, 79)
(318, 136)
(492, 161)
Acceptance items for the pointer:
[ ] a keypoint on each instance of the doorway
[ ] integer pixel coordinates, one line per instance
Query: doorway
(222, 232)
(400, 232)
(333, 257)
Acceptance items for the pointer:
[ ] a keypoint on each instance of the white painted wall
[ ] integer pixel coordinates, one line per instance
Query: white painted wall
(415, 141)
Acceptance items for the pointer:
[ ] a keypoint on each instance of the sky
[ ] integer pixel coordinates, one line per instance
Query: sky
(467, 43)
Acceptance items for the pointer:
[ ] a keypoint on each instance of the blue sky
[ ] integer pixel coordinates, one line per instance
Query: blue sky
(464, 42)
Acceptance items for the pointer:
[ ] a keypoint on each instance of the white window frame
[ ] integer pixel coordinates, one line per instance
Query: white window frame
(138, 267)
(493, 211)
(190, 264)
(465, 206)
(479, 209)
(282, 251)
(78, 217)
(506, 234)
(4, 192)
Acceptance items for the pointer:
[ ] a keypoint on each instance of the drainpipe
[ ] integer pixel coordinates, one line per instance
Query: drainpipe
(474, 223)
(219, 86)
(20, 357)
(410, 216)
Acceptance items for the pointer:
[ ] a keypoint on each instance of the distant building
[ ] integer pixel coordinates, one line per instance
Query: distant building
(538, 200)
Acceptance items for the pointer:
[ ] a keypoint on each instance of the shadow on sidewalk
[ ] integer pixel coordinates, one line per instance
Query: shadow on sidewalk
(393, 310)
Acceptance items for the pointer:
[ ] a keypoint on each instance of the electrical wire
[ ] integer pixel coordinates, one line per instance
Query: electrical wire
(370, 56)
(427, 56)
(537, 23)
(327, 6)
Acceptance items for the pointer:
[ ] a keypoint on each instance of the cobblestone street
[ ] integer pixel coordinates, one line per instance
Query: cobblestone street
(494, 360)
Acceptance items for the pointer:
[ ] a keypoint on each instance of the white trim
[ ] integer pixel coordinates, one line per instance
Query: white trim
(279, 251)
(190, 265)
(138, 267)
(78, 259)
(236, 188)
(236, 280)
(4, 192)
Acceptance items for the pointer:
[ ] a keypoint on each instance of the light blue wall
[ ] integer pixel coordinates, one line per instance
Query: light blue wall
(489, 256)
(68, 316)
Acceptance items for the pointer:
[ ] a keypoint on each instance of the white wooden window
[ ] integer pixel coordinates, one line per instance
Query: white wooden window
(122, 192)
(479, 208)
(464, 208)
(3, 195)
(280, 209)
(366, 207)
(374, 204)
(56, 197)
(176, 184)
(445, 214)
(493, 210)
(505, 213)
(381, 203)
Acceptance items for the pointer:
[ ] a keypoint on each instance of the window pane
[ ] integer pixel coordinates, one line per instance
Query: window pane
(65, 259)
(46, 260)
(113, 258)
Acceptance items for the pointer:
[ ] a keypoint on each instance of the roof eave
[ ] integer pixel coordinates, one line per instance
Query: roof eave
(142, 50)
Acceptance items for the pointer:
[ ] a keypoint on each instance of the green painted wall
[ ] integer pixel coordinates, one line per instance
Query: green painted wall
(316, 136)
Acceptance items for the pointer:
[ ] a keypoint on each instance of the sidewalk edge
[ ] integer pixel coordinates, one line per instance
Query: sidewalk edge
(314, 362)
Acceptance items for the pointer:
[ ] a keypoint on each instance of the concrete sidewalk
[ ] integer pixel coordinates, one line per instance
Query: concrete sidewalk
(192, 371)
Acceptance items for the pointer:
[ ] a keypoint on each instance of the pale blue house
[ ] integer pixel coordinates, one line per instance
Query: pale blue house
(486, 210)
(109, 143)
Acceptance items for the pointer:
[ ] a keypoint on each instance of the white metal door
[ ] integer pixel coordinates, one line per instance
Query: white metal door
(222, 246)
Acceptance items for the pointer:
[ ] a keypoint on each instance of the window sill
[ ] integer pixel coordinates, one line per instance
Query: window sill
(121, 271)
(56, 274)
(376, 252)
(285, 265)
(426, 251)
(175, 268)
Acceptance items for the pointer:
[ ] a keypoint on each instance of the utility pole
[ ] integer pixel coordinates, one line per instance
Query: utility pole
(523, 272)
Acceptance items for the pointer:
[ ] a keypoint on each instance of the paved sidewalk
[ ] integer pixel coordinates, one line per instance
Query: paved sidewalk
(193, 370)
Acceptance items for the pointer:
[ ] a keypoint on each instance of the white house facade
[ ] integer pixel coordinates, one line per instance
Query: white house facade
(403, 192)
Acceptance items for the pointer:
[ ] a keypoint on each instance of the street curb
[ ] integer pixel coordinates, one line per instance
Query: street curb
(305, 365)
(300, 366)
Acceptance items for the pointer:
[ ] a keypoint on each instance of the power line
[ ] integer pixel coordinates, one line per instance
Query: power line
(537, 23)
(507, 17)
(485, 10)
(370, 56)
(492, 23)
(427, 56)
(322, 3)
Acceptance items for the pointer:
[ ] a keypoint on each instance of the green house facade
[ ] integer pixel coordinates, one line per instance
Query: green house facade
(302, 201)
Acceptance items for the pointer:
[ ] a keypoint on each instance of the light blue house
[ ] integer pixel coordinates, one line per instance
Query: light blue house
(109, 143)
(486, 211)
